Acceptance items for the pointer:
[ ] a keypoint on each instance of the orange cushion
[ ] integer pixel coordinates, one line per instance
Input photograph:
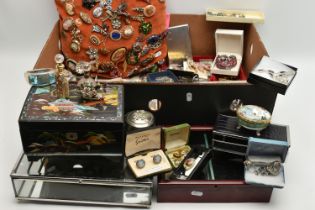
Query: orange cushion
(158, 26)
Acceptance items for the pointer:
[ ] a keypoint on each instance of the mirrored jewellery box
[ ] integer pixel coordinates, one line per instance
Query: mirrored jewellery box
(144, 154)
(87, 180)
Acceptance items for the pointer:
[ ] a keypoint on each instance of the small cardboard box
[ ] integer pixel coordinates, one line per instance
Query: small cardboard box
(143, 146)
(229, 43)
(176, 140)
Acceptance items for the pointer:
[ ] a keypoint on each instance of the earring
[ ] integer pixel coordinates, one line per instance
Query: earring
(140, 163)
(157, 159)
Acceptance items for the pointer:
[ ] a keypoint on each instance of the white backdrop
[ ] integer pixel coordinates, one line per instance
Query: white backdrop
(288, 34)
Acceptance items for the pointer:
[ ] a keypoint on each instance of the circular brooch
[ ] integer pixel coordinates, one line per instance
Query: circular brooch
(149, 11)
(127, 31)
(95, 40)
(115, 35)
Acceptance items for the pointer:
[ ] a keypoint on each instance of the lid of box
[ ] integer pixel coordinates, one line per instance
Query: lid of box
(235, 16)
(140, 141)
(176, 136)
(273, 75)
(42, 104)
(229, 41)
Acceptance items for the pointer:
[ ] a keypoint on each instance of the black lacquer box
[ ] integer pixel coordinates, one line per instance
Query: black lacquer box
(51, 126)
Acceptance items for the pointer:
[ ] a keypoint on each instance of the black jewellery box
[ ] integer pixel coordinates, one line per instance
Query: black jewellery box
(87, 180)
(273, 75)
(51, 126)
(227, 138)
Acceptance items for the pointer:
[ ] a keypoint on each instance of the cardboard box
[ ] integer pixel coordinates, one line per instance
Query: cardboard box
(205, 99)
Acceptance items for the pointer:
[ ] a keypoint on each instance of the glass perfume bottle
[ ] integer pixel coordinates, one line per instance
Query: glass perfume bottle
(62, 79)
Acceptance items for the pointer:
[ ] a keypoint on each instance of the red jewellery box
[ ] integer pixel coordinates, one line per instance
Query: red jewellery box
(221, 179)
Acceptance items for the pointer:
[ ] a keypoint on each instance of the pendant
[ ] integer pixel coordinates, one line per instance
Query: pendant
(118, 55)
(75, 46)
(145, 28)
(115, 35)
(149, 11)
(127, 31)
(85, 18)
(95, 40)
(69, 8)
(97, 12)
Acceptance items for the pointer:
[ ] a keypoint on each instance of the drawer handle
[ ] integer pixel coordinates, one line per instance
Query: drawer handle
(197, 193)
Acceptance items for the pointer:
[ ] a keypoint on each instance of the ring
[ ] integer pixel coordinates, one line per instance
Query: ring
(189, 163)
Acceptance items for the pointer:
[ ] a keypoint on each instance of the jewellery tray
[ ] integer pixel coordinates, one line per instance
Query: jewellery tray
(230, 43)
(222, 179)
(176, 139)
(142, 146)
(206, 99)
(64, 180)
(82, 129)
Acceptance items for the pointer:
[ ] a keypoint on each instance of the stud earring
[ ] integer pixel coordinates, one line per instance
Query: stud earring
(140, 163)
(157, 159)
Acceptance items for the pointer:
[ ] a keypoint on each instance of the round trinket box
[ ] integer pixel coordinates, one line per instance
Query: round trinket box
(139, 119)
(251, 117)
